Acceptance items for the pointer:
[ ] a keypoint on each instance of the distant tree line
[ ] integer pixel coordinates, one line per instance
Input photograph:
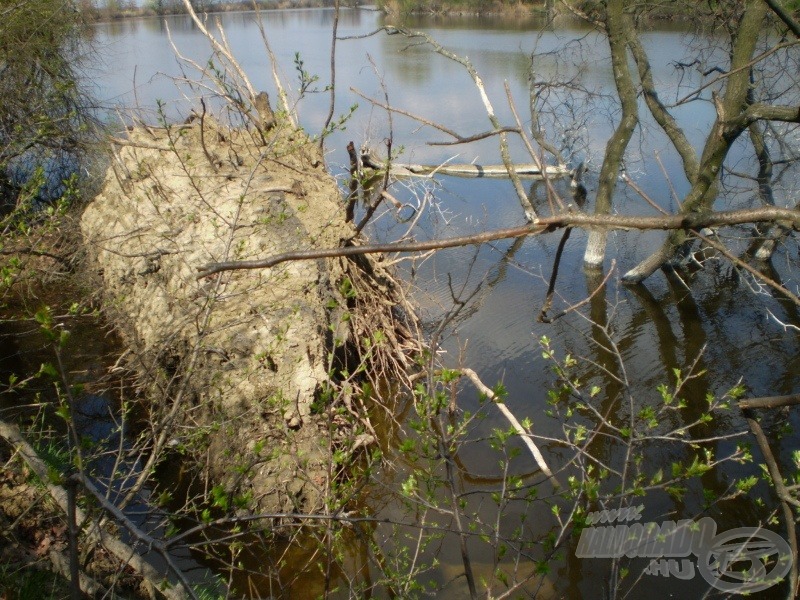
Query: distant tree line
(591, 8)
(404, 7)
(104, 9)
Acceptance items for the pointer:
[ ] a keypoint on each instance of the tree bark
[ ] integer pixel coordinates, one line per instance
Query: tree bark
(660, 113)
(616, 24)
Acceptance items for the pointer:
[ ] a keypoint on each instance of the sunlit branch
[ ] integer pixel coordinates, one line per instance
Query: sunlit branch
(525, 435)
(609, 222)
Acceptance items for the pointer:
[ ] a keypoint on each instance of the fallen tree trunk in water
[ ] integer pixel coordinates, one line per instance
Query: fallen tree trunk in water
(530, 170)
(238, 371)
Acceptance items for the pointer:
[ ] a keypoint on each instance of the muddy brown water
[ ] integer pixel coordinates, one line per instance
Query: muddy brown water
(715, 316)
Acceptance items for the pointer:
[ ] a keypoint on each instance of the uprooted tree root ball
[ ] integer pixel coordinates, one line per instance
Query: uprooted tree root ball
(258, 376)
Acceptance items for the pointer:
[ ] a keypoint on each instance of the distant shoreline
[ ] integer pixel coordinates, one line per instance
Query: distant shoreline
(389, 7)
(124, 9)
(100, 15)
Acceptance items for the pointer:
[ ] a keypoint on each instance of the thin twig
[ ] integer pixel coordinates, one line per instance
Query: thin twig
(533, 154)
(332, 89)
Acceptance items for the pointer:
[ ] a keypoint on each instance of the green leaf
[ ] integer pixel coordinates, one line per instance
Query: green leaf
(47, 369)
(657, 477)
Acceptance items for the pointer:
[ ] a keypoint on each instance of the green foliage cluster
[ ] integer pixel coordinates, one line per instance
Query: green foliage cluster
(44, 115)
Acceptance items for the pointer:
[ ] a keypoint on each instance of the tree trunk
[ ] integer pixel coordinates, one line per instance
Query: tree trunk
(615, 149)
(728, 126)
(660, 113)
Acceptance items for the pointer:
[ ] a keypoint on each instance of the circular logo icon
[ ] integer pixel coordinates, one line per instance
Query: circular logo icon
(745, 560)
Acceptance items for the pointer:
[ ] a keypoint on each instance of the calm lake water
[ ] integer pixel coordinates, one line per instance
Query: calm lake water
(658, 327)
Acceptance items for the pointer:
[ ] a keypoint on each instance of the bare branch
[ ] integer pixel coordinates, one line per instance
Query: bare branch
(770, 402)
(95, 532)
(525, 435)
(222, 49)
(724, 132)
(283, 98)
(530, 212)
(784, 16)
(540, 225)
(660, 113)
(784, 495)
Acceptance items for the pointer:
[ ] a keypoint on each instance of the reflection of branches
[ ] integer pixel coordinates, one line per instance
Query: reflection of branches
(753, 271)
(543, 318)
(737, 70)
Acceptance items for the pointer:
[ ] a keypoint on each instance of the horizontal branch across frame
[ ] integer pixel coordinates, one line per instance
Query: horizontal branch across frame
(538, 226)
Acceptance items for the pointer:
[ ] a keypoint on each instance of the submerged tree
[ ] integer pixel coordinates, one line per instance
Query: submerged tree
(759, 40)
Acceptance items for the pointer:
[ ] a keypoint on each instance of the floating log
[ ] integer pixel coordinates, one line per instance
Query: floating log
(473, 170)
(528, 170)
